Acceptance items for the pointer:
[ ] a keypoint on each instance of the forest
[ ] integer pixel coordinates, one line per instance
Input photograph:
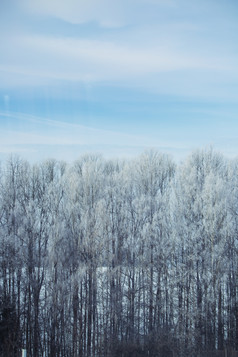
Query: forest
(119, 258)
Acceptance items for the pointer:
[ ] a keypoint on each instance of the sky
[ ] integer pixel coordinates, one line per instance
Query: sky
(117, 77)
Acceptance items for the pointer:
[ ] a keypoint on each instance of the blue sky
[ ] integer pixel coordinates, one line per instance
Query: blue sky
(118, 77)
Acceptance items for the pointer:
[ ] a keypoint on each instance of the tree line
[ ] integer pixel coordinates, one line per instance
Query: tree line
(119, 257)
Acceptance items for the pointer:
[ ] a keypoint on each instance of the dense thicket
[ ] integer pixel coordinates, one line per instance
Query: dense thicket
(112, 258)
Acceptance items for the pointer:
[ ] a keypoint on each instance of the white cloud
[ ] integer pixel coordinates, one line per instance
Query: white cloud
(39, 139)
(36, 138)
(107, 13)
(95, 60)
(52, 132)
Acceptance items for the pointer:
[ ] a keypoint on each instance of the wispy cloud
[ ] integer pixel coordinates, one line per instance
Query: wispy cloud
(42, 138)
(53, 132)
(107, 13)
(36, 60)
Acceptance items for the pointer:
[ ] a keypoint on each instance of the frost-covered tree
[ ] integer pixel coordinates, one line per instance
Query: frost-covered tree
(119, 258)
(201, 215)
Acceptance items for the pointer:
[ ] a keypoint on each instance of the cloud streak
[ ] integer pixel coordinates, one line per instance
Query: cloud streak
(39, 138)
(37, 60)
(109, 14)
(52, 132)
